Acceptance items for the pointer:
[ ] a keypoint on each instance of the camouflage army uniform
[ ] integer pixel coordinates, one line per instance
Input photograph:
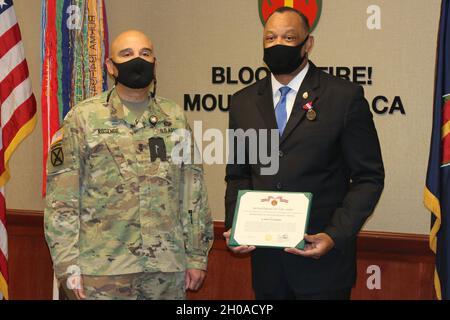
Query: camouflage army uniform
(116, 202)
(136, 286)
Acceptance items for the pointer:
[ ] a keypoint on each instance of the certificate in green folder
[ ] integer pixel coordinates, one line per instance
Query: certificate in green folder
(270, 219)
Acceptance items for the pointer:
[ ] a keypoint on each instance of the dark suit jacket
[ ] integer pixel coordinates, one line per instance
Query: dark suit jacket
(337, 157)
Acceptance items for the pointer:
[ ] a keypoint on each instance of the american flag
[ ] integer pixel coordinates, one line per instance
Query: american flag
(17, 114)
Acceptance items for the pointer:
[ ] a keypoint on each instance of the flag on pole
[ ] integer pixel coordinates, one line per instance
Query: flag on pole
(18, 114)
(437, 191)
(74, 43)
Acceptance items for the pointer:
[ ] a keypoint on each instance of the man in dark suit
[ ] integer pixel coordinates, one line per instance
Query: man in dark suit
(328, 146)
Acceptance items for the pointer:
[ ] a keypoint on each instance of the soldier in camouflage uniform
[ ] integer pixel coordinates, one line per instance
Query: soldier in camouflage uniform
(124, 219)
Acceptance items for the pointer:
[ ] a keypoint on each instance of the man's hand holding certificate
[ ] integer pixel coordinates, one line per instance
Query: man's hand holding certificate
(266, 219)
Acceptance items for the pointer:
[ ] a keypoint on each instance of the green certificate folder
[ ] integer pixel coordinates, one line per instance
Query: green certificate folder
(271, 219)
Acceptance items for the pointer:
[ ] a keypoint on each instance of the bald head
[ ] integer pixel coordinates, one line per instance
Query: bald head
(286, 22)
(127, 46)
(131, 44)
(302, 17)
(287, 28)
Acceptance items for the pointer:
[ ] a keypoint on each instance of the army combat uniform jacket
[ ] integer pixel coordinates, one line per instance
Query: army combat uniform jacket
(117, 203)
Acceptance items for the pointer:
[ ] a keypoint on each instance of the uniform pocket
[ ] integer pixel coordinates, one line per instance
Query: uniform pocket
(122, 149)
(195, 229)
(106, 164)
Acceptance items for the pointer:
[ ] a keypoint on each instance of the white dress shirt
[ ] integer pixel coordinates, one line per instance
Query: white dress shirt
(294, 85)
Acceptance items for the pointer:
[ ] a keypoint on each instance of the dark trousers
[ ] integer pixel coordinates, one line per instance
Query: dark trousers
(284, 293)
(270, 280)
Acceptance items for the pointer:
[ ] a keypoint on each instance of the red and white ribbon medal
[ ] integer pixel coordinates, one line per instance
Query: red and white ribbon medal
(311, 115)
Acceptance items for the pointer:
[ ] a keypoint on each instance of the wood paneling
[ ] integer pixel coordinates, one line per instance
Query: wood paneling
(30, 265)
(229, 275)
(405, 261)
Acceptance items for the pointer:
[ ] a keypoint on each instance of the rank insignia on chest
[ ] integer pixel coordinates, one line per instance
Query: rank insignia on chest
(157, 148)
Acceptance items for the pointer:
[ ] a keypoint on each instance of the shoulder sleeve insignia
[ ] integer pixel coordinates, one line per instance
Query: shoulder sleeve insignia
(57, 155)
(57, 137)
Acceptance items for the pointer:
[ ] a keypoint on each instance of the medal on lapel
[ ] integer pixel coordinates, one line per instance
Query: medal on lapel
(311, 114)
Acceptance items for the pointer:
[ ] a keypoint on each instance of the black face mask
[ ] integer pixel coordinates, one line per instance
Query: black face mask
(136, 73)
(283, 59)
